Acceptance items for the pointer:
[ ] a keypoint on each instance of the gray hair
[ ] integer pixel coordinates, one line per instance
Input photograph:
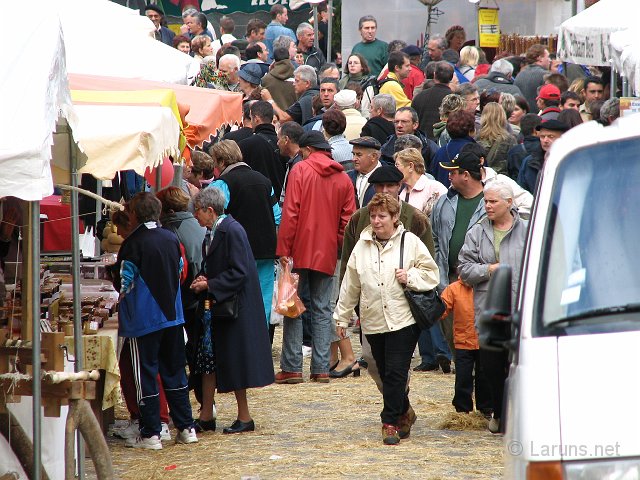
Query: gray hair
(367, 18)
(385, 102)
(210, 197)
(442, 42)
(407, 141)
(210, 60)
(189, 12)
(508, 103)
(412, 111)
(283, 41)
(302, 27)
(503, 66)
(396, 45)
(465, 89)
(501, 187)
(610, 108)
(230, 57)
(308, 74)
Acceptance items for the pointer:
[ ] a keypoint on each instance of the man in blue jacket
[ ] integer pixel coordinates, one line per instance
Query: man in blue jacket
(151, 316)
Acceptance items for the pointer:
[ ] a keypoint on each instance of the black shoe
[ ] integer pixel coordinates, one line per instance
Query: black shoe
(362, 362)
(205, 425)
(346, 372)
(333, 367)
(240, 427)
(445, 363)
(426, 367)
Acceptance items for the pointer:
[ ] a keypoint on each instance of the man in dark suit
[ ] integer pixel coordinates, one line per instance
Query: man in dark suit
(366, 158)
(427, 103)
(162, 33)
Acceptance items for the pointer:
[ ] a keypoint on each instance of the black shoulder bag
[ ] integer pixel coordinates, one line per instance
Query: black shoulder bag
(426, 307)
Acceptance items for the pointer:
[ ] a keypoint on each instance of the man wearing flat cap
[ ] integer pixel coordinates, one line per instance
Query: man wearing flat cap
(386, 179)
(162, 33)
(366, 158)
(346, 100)
(318, 204)
(548, 132)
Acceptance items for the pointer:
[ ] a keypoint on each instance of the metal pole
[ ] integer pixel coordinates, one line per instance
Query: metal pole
(177, 175)
(329, 29)
(625, 87)
(574, 8)
(316, 41)
(158, 186)
(34, 234)
(613, 88)
(75, 278)
(98, 216)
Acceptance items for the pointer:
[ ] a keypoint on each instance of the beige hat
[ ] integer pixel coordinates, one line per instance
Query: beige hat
(345, 98)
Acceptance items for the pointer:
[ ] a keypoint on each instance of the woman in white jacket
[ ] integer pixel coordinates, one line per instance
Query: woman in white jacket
(375, 280)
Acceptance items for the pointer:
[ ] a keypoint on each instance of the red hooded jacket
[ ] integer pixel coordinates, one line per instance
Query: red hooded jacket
(319, 202)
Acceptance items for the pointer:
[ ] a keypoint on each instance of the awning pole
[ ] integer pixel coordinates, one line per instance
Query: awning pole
(613, 88)
(158, 186)
(34, 234)
(98, 216)
(316, 41)
(75, 278)
(329, 29)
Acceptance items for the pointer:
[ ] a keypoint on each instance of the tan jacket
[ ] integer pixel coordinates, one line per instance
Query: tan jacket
(355, 122)
(370, 280)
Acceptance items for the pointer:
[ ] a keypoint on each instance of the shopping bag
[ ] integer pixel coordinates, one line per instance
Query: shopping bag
(275, 318)
(288, 303)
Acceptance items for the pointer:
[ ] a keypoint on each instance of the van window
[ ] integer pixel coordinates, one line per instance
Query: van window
(591, 256)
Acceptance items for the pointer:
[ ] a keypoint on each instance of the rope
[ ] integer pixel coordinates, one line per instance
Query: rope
(108, 203)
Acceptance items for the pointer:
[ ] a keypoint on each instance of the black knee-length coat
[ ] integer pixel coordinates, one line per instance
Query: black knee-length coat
(242, 346)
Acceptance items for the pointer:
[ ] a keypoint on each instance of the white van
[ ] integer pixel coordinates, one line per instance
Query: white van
(572, 398)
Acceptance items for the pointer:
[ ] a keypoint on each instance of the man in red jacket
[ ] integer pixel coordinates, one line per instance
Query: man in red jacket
(317, 207)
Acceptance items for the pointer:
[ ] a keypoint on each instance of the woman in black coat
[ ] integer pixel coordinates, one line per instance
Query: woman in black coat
(242, 351)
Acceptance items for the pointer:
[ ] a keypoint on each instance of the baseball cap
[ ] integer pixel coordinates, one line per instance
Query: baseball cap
(314, 139)
(412, 51)
(470, 158)
(366, 142)
(549, 92)
(251, 72)
(386, 174)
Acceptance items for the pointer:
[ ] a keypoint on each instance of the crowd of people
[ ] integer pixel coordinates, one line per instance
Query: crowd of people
(408, 168)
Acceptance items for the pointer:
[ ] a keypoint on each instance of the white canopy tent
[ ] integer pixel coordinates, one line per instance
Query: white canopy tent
(625, 55)
(107, 39)
(584, 38)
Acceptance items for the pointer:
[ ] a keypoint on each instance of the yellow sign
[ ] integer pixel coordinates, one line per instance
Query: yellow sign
(489, 27)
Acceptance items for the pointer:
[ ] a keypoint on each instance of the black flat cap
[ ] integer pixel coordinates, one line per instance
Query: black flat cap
(386, 174)
(155, 8)
(366, 142)
(555, 125)
(314, 139)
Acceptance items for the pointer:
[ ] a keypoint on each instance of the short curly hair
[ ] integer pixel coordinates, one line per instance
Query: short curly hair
(334, 122)
(385, 202)
(460, 123)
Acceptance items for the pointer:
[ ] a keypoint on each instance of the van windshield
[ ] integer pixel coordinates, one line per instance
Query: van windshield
(591, 256)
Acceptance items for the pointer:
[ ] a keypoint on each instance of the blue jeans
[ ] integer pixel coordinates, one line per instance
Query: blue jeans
(431, 343)
(318, 287)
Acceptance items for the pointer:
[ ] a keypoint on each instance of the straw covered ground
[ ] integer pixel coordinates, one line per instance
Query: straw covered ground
(326, 431)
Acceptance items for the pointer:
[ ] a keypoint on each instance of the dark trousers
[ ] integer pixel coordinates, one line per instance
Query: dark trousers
(193, 326)
(161, 352)
(128, 386)
(392, 352)
(468, 363)
(495, 366)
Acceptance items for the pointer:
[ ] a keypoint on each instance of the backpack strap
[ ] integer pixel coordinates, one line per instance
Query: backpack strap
(402, 248)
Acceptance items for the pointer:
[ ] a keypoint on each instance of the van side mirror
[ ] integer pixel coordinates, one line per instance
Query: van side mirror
(494, 325)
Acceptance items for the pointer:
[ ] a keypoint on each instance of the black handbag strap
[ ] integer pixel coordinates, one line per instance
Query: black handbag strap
(402, 248)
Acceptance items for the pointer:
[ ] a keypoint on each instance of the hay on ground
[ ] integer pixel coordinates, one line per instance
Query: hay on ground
(463, 421)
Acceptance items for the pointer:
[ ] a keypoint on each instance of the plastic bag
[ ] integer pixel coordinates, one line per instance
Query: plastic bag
(288, 302)
(275, 318)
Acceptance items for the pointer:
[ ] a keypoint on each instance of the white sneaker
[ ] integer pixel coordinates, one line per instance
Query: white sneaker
(165, 434)
(215, 412)
(306, 351)
(151, 443)
(131, 431)
(188, 435)
(494, 425)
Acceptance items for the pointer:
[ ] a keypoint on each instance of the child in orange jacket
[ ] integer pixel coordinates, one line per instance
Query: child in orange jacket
(458, 298)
